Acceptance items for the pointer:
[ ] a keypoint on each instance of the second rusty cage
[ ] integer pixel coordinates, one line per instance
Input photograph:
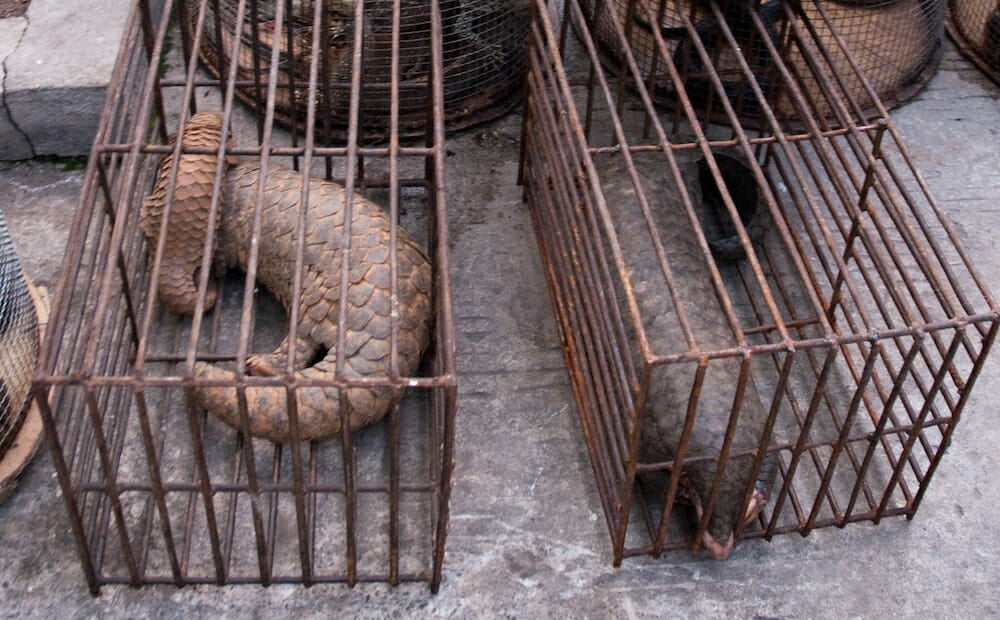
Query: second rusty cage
(156, 491)
(858, 317)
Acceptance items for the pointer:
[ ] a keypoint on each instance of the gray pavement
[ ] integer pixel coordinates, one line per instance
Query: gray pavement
(55, 64)
(527, 536)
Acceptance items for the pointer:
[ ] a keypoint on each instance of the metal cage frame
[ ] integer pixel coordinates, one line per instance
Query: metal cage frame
(859, 318)
(157, 492)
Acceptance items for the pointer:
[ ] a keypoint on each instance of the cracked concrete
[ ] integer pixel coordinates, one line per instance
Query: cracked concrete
(13, 143)
(57, 61)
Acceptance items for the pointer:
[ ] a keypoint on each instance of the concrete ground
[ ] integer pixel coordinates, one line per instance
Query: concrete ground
(527, 536)
(55, 64)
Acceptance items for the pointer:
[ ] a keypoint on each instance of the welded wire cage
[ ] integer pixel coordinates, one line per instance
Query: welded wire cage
(482, 43)
(837, 348)
(159, 492)
(895, 45)
(974, 25)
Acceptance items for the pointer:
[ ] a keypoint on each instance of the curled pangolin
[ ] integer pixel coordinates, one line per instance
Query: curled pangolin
(370, 304)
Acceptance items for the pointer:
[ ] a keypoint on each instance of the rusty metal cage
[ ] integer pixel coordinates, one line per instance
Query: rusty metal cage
(974, 26)
(482, 43)
(895, 45)
(852, 330)
(157, 491)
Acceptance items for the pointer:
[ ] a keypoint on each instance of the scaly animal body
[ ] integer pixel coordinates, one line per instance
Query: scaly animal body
(188, 218)
(670, 384)
(371, 303)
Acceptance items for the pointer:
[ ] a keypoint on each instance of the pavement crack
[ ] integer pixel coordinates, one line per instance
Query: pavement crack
(4, 90)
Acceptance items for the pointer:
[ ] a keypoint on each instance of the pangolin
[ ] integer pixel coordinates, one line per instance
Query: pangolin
(371, 302)
(192, 198)
(670, 384)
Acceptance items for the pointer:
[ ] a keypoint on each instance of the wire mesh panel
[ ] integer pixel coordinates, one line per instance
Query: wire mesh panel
(974, 25)
(766, 331)
(482, 43)
(895, 44)
(251, 360)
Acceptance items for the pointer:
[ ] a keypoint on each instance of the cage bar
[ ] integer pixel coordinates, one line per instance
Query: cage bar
(158, 491)
(849, 333)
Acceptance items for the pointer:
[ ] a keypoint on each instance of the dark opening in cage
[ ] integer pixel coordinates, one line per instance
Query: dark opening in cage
(895, 45)
(231, 303)
(482, 44)
(811, 379)
(974, 25)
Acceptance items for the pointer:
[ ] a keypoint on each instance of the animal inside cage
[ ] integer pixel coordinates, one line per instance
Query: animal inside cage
(251, 362)
(766, 331)
(483, 58)
(894, 45)
(974, 25)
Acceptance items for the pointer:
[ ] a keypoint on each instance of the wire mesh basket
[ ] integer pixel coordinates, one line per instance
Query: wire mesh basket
(974, 25)
(482, 42)
(18, 341)
(191, 445)
(766, 331)
(894, 44)
(23, 315)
